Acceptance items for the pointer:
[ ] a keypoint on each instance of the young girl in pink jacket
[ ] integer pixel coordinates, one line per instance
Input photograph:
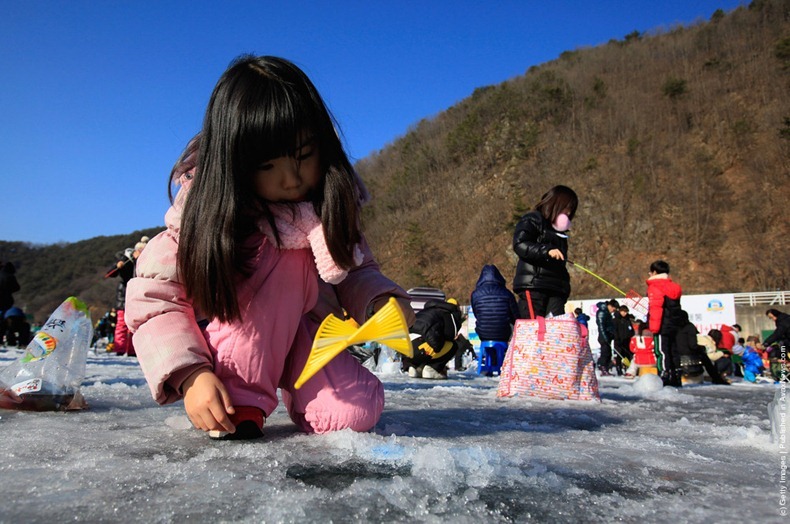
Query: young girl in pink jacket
(263, 241)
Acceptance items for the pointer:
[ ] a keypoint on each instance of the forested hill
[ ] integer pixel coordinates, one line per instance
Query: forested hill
(677, 142)
(49, 274)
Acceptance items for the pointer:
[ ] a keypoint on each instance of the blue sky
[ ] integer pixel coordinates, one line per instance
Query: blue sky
(97, 99)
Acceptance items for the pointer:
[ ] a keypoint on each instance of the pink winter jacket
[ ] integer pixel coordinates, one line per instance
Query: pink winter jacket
(170, 344)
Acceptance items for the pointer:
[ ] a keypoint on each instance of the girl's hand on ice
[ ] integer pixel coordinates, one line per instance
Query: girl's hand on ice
(207, 402)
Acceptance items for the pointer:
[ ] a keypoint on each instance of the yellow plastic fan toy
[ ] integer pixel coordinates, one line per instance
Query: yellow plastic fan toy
(388, 326)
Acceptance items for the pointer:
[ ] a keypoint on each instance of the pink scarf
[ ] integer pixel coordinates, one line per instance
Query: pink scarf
(299, 227)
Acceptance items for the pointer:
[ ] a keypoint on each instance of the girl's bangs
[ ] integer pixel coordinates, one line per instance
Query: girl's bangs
(277, 117)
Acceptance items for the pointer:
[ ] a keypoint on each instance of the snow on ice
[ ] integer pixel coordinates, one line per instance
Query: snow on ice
(443, 451)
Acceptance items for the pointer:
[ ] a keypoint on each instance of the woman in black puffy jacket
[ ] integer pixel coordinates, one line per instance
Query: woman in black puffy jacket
(542, 282)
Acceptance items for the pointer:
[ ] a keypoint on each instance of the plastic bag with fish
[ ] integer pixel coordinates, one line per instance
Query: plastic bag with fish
(47, 377)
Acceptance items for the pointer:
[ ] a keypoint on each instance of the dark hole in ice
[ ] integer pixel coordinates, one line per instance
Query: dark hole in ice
(339, 476)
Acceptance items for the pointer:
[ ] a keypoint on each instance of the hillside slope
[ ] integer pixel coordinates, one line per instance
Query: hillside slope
(677, 143)
(48, 274)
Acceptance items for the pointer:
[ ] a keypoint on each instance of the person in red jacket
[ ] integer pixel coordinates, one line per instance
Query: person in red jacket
(729, 335)
(664, 320)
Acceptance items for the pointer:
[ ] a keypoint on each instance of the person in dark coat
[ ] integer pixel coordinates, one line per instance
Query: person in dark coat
(8, 286)
(433, 337)
(777, 340)
(124, 269)
(604, 320)
(689, 351)
(112, 324)
(17, 327)
(623, 331)
(542, 282)
(494, 306)
(781, 334)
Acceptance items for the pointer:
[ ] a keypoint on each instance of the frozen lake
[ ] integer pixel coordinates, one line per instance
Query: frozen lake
(444, 451)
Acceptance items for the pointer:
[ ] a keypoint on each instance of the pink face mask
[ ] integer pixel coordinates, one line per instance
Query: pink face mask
(562, 223)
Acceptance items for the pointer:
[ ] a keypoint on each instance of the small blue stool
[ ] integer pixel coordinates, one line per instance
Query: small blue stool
(491, 357)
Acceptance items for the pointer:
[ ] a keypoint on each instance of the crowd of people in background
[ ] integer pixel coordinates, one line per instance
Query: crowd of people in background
(110, 331)
(542, 287)
(667, 339)
(682, 354)
(676, 349)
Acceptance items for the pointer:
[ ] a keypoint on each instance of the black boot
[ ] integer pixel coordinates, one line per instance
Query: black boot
(715, 376)
(676, 378)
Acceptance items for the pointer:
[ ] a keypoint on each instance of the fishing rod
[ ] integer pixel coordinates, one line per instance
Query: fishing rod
(599, 278)
(126, 260)
(625, 360)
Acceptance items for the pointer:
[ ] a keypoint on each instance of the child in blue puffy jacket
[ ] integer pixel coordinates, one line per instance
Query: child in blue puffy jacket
(752, 364)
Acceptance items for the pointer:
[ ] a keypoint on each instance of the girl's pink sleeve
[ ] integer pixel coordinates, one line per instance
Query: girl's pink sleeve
(167, 339)
(365, 284)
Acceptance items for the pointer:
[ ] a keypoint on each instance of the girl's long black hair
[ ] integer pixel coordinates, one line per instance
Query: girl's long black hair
(258, 110)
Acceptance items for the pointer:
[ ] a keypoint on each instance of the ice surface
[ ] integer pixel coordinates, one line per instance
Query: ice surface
(444, 451)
